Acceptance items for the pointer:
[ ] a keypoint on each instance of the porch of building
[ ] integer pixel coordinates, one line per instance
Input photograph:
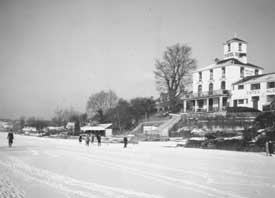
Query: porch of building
(206, 102)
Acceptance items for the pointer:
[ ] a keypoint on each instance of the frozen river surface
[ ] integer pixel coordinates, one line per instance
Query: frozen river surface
(41, 167)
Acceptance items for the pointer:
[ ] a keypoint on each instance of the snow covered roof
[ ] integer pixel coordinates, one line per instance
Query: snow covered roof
(106, 125)
(227, 62)
(236, 62)
(205, 68)
(257, 79)
(55, 128)
(235, 39)
(100, 127)
(198, 131)
(26, 129)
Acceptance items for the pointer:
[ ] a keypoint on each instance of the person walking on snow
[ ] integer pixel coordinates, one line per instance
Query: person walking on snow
(92, 139)
(10, 138)
(125, 141)
(98, 137)
(87, 140)
(267, 148)
(80, 139)
(270, 148)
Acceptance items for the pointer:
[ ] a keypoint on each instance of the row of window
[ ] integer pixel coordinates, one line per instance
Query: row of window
(229, 47)
(211, 87)
(211, 74)
(242, 101)
(256, 72)
(256, 86)
(269, 98)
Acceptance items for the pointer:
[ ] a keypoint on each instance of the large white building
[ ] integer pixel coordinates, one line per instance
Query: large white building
(213, 84)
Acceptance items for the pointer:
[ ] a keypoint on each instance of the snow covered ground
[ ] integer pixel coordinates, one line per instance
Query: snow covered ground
(42, 167)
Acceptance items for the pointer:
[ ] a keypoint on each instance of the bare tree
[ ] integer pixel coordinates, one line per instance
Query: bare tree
(61, 116)
(101, 101)
(173, 73)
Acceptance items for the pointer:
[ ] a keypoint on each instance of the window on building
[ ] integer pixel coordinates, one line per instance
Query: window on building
(228, 47)
(199, 88)
(241, 101)
(240, 86)
(270, 85)
(211, 74)
(255, 86)
(256, 72)
(235, 103)
(270, 98)
(211, 88)
(223, 72)
(240, 47)
(200, 76)
(242, 72)
(223, 85)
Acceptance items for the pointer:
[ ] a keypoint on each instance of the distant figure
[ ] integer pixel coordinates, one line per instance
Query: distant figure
(87, 140)
(270, 148)
(98, 137)
(267, 148)
(93, 139)
(10, 138)
(80, 139)
(125, 141)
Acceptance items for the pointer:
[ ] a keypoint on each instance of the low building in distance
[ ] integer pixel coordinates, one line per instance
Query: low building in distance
(100, 129)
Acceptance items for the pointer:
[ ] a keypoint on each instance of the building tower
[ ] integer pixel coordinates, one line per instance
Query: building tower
(235, 48)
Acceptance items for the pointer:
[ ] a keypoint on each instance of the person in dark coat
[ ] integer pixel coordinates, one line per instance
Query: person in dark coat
(98, 137)
(125, 141)
(10, 138)
(93, 139)
(87, 140)
(267, 148)
(80, 139)
(270, 148)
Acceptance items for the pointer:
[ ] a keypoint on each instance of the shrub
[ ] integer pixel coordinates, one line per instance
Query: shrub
(241, 109)
(264, 120)
(234, 144)
(183, 133)
(211, 135)
(191, 143)
(249, 134)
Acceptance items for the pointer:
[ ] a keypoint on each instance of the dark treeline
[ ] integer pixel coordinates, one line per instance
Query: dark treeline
(102, 107)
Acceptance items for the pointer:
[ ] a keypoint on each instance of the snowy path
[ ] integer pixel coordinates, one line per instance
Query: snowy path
(41, 167)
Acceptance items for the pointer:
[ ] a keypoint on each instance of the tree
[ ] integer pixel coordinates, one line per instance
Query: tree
(62, 116)
(83, 117)
(22, 122)
(76, 127)
(265, 120)
(37, 123)
(101, 101)
(120, 116)
(99, 117)
(58, 118)
(173, 73)
(75, 118)
(142, 107)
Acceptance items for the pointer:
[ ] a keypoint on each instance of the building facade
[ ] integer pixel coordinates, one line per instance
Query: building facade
(212, 85)
(256, 92)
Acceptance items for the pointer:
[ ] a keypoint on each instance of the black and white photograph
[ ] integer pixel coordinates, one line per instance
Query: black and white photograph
(137, 98)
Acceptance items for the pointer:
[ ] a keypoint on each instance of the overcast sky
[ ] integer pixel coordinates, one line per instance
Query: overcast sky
(57, 53)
